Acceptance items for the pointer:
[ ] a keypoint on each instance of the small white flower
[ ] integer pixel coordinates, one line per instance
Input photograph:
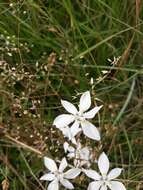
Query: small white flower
(106, 179)
(56, 175)
(82, 155)
(70, 132)
(79, 118)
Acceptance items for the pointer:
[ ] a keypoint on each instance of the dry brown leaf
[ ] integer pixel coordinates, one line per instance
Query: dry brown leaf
(5, 184)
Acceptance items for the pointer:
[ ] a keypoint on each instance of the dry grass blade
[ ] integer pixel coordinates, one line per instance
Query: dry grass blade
(138, 8)
(24, 146)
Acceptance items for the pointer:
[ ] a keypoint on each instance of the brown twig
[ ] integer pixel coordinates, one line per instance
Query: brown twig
(23, 145)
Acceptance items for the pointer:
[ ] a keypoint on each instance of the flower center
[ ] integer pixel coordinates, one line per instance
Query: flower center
(104, 180)
(79, 117)
(58, 175)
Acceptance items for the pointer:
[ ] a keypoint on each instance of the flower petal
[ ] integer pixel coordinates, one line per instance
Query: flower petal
(48, 177)
(85, 153)
(103, 187)
(95, 185)
(63, 120)
(71, 149)
(75, 128)
(92, 174)
(103, 164)
(114, 173)
(54, 185)
(66, 146)
(73, 140)
(50, 164)
(66, 131)
(63, 165)
(85, 101)
(72, 173)
(90, 114)
(69, 107)
(71, 155)
(116, 185)
(90, 130)
(70, 132)
(67, 184)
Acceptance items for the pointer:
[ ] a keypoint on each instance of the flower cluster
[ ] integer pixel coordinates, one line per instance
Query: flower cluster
(78, 119)
(71, 125)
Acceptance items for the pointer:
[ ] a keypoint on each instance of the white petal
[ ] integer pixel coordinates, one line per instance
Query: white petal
(116, 185)
(69, 107)
(63, 120)
(85, 153)
(70, 132)
(92, 174)
(73, 140)
(66, 184)
(94, 185)
(114, 173)
(85, 101)
(54, 185)
(71, 155)
(103, 187)
(66, 146)
(75, 128)
(103, 164)
(72, 173)
(90, 114)
(78, 145)
(90, 130)
(48, 177)
(71, 149)
(66, 131)
(50, 164)
(76, 163)
(63, 165)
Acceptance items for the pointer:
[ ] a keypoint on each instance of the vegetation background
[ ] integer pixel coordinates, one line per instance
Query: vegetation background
(53, 49)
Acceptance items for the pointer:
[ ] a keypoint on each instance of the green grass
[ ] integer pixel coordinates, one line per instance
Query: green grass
(71, 42)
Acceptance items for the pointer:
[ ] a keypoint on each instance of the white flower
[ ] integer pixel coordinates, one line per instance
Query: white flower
(56, 175)
(79, 118)
(71, 132)
(81, 155)
(106, 179)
